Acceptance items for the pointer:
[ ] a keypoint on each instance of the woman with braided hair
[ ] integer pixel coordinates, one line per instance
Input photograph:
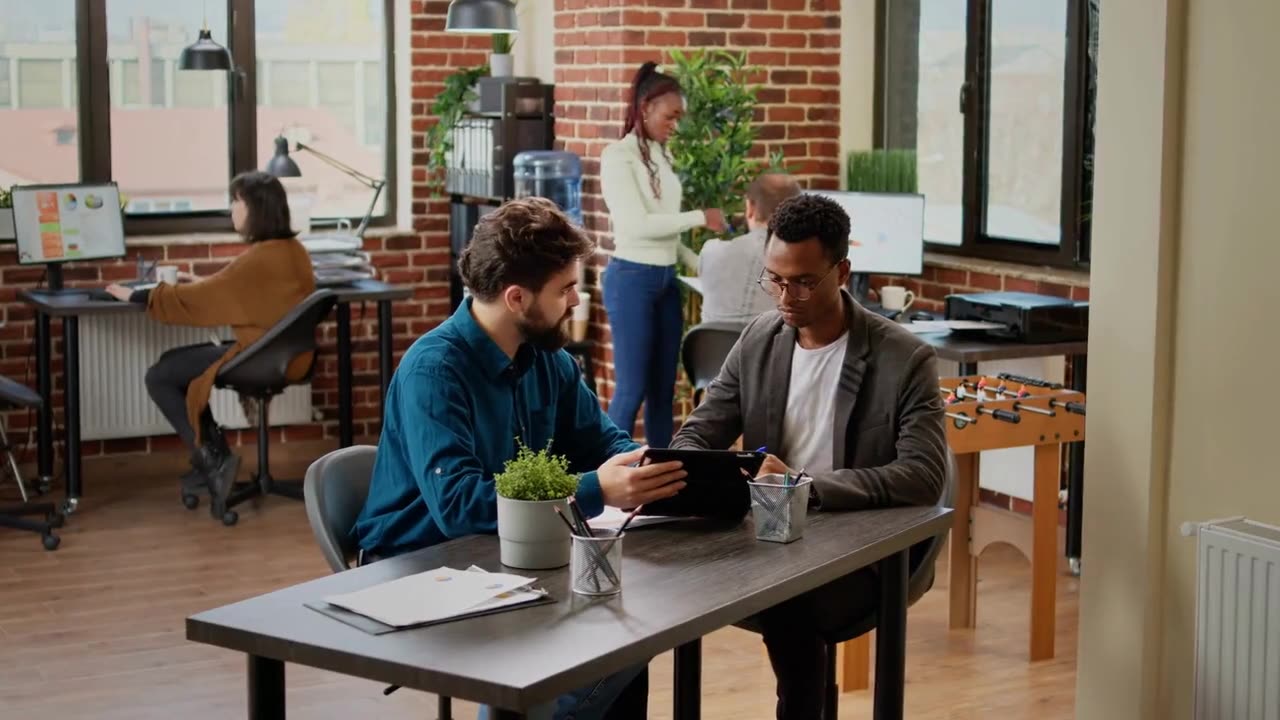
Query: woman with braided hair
(643, 195)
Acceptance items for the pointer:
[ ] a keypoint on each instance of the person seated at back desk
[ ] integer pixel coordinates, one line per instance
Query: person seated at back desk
(730, 269)
(838, 392)
(494, 374)
(251, 294)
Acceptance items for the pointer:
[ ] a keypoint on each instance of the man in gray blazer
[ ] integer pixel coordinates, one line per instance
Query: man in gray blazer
(844, 394)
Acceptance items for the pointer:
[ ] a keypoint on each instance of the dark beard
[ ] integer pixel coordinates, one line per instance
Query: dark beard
(543, 336)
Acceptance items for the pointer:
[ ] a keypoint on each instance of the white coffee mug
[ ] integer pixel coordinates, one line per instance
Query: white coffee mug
(896, 297)
(167, 274)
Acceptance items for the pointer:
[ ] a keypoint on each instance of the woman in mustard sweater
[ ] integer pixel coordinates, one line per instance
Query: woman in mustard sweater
(641, 294)
(251, 294)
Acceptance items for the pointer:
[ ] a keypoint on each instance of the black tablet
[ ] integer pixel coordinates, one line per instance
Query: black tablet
(715, 487)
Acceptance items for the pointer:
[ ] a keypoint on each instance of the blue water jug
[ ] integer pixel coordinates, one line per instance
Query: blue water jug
(552, 174)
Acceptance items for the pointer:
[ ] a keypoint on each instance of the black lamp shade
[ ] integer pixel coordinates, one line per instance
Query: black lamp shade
(281, 165)
(481, 16)
(205, 54)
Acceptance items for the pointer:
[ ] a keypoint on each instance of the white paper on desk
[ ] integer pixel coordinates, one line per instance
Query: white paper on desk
(612, 519)
(928, 326)
(428, 596)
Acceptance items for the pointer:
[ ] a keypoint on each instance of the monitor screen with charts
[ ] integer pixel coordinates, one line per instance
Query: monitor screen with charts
(886, 231)
(67, 223)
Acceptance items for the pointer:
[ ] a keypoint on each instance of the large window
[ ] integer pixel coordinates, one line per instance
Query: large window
(39, 126)
(92, 90)
(995, 97)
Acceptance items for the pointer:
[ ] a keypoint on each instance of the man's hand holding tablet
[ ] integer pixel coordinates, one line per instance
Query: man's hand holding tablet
(625, 482)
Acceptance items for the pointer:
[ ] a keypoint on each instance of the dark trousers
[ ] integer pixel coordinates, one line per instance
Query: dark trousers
(167, 383)
(796, 634)
(647, 324)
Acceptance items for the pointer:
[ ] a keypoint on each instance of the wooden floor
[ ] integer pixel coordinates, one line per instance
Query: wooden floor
(95, 629)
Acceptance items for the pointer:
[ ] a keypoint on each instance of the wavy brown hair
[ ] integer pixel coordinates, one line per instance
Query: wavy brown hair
(524, 242)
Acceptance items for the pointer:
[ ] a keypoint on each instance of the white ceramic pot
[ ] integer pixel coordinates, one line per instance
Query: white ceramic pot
(531, 536)
(501, 64)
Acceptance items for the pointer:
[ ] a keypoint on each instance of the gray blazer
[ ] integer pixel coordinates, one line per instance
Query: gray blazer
(890, 445)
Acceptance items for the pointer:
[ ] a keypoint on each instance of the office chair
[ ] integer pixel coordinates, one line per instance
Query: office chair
(258, 372)
(15, 396)
(704, 350)
(924, 556)
(334, 491)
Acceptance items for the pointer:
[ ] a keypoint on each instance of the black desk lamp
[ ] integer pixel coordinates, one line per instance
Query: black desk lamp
(281, 165)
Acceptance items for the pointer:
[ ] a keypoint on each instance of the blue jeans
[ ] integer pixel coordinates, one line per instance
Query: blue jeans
(645, 317)
(593, 702)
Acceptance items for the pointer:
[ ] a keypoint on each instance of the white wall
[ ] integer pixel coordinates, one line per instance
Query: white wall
(535, 47)
(857, 76)
(1184, 258)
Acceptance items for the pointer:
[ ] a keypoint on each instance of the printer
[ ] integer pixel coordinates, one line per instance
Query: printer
(1023, 317)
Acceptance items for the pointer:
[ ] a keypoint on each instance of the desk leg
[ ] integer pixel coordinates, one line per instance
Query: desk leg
(687, 692)
(1075, 475)
(385, 336)
(499, 714)
(891, 638)
(44, 383)
(1044, 550)
(266, 688)
(71, 408)
(964, 564)
(345, 432)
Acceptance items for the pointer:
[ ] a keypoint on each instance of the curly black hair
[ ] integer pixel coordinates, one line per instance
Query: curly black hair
(806, 216)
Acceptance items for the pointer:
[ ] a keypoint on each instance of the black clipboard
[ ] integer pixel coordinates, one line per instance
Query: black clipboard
(715, 486)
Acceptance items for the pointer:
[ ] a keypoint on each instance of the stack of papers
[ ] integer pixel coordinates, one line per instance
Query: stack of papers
(929, 326)
(438, 595)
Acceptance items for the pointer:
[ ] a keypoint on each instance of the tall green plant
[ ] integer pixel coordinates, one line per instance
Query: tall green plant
(710, 148)
(881, 171)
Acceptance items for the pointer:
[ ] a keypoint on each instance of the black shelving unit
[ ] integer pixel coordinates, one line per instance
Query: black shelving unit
(510, 116)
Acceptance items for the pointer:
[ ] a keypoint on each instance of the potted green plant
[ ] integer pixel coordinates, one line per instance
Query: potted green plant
(530, 488)
(6, 215)
(501, 61)
(450, 105)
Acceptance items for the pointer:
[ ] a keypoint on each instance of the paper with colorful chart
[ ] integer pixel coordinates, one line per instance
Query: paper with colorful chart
(436, 595)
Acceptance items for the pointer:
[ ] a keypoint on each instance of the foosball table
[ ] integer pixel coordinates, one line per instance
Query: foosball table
(993, 413)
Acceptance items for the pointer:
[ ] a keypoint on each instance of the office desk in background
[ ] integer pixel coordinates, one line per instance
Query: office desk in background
(679, 582)
(71, 307)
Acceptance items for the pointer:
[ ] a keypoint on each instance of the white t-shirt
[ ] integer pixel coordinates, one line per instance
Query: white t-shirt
(811, 407)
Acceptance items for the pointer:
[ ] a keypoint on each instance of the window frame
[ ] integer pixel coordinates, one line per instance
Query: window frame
(94, 115)
(1072, 250)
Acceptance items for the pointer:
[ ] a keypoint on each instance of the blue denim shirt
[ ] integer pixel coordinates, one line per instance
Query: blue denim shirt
(454, 409)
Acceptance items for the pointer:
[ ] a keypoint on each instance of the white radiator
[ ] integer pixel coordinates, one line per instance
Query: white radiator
(115, 352)
(1237, 662)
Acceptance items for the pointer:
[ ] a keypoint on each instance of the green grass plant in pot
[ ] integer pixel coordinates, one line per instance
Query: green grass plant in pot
(529, 488)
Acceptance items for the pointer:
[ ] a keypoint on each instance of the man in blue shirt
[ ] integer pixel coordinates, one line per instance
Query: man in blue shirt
(493, 372)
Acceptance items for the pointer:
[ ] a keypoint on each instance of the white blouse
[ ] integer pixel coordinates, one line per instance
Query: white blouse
(645, 229)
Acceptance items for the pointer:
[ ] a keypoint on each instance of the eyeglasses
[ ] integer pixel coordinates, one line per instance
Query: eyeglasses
(798, 290)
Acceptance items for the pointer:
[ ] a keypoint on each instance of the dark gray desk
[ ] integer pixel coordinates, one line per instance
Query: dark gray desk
(968, 351)
(71, 307)
(680, 582)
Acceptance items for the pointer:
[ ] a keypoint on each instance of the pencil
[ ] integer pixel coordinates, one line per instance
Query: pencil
(627, 522)
(565, 520)
(582, 520)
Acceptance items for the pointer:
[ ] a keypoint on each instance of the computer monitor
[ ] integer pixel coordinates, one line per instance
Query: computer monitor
(57, 224)
(886, 231)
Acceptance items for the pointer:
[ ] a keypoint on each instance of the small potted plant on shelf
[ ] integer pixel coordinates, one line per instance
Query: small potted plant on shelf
(501, 61)
(6, 215)
(530, 488)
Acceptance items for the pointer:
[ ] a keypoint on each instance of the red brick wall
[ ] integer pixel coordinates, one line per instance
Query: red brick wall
(795, 42)
(937, 281)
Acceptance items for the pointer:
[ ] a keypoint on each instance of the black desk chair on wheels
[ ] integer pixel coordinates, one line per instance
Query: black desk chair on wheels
(258, 372)
(704, 350)
(15, 396)
(924, 556)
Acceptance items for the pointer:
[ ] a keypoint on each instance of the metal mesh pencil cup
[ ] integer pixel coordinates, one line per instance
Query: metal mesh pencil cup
(779, 510)
(595, 565)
